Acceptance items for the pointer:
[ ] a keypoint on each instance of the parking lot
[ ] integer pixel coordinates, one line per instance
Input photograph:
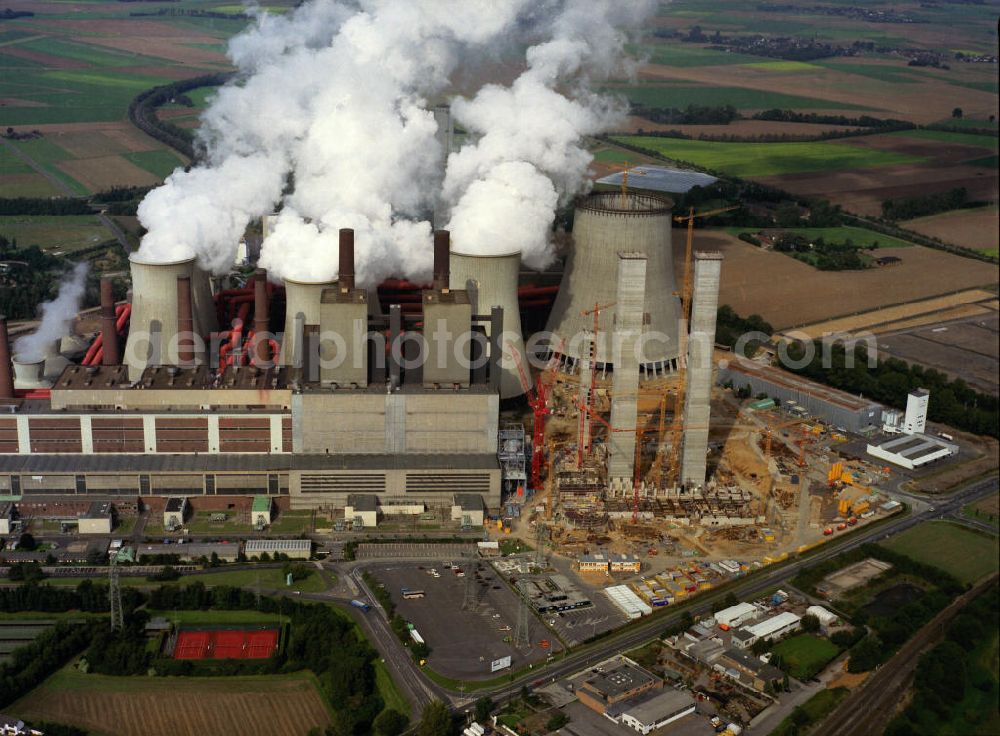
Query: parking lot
(405, 550)
(463, 642)
(576, 626)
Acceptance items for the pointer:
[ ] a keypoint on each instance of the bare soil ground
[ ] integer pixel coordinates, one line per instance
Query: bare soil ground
(871, 320)
(171, 48)
(966, 349)
(967, 310)
(787, 292)
(922, 102)
(87, 143)
(976, 229)
(104, 172)
(49, 60)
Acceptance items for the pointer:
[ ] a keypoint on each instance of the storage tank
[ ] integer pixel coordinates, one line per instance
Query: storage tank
(604, 225)
(153, 324)
(302, 307)
(491, 281)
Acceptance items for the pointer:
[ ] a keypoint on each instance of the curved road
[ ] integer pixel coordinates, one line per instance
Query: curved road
(421, 689)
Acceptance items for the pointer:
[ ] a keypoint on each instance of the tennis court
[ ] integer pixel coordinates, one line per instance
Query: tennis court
(257, 643)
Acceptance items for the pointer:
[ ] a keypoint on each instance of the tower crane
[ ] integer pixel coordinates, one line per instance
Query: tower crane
(673, 467)
(538, 401)
(586, 426)
(625, 168)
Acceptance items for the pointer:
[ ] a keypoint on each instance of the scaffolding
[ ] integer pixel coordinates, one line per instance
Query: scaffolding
(512, 454)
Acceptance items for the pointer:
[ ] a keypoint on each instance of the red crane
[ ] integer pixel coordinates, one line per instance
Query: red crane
(639, 430)
(538, 401)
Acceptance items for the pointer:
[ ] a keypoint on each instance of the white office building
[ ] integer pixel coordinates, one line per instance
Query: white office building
(915, 420)
(736, 615)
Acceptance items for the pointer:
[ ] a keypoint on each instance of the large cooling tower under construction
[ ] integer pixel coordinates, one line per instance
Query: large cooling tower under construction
(492, 282)
(302, 307)
(153, 325)
(604, 225)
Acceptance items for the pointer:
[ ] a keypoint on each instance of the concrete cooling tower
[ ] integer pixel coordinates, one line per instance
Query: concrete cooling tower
(492, 282)
(606, 224)
(153, 325)
(302, 307)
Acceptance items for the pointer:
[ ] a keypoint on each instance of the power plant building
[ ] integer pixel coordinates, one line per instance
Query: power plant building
(307, 435)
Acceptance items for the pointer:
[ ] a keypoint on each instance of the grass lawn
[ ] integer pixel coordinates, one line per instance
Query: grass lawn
(54, 233)
(782, 66)
(391, 697)
(806, 654)
(767, 159)
(270, 578)
(818, 707)
(681, 95)
(966, 554)
(219, 617)
(986, 510)
(857, 235)
(509, 546)
(291, 522)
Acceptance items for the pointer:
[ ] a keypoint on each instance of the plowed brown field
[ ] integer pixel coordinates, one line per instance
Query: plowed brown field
(153, 706)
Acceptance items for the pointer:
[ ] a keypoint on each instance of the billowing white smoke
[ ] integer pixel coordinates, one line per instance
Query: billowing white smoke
(330, 121)
(57, 316)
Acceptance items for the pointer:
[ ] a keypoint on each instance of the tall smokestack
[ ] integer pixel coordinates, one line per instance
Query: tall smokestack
(442, 257)
(261, 317)
(185, 322)
(346, 269)
(6, 371)
(109, 330)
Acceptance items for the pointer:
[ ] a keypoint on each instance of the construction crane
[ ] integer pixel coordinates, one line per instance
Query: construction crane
(538, 401)
(673, 467)
(586, 426)
(768, 433)
(625, 168)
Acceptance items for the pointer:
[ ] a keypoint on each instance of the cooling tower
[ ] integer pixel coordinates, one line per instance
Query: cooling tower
(604, 225)
(302, 307)
(492, 282)
(30, 375)
(153, 324)
(6, 371)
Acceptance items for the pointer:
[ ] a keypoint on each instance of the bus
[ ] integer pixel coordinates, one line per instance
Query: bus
(411, 594)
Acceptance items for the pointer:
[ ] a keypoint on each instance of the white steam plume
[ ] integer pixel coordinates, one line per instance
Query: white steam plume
(330, 120)
(57, 316)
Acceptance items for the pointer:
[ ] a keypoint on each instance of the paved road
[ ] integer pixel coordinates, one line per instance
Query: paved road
(583, 658)
(868, 709)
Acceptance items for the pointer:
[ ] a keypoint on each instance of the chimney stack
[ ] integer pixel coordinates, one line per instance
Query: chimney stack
(6, 371)
(261, 318)
(346, 270)
(185, 322)
(109, 329)
(442, 257)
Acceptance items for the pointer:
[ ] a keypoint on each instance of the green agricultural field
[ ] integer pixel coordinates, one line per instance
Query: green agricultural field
(768, 159)
(969, 123)
(987, 162)
(52, 233)
(857, 235)
(686, 55)
(782, 66)
(270, 578)
(680, 96)
(47, 155)
(947, 136)
(161, 162)
(966, 554)
(806, 654)
(881, 72)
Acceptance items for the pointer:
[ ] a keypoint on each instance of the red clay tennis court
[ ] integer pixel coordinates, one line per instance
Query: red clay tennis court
(226, 644)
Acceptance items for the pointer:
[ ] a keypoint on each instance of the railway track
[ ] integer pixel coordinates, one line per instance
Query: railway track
(867, 710)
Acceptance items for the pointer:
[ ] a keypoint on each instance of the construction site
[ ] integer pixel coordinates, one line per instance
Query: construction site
(609, 432)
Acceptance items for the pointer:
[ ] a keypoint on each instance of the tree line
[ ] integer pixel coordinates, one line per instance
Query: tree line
(142, 110)
(951, 675)
(907, 208)
(889, 382)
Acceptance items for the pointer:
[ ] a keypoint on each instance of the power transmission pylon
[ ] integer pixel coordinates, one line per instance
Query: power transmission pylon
(115, 595)
(540, 530)
(522, 635)
(471, 601)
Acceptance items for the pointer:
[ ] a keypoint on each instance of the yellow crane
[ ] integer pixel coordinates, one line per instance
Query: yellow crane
(625, 168)
(673, 467)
